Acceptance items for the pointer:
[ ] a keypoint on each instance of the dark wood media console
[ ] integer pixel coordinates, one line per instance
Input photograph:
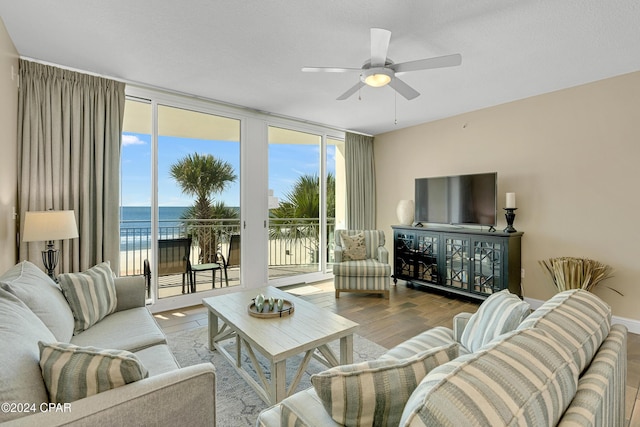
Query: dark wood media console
(464, 261)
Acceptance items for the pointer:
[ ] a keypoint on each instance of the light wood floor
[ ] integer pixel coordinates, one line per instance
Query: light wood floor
(389, 322)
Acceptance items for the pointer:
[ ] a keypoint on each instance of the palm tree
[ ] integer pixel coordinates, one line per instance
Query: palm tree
(202, 176)
(299, 212)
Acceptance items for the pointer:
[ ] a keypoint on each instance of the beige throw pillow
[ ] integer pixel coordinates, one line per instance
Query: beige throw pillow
(353, 247)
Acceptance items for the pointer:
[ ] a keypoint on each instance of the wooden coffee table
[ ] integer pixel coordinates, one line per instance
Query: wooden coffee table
(307, 329)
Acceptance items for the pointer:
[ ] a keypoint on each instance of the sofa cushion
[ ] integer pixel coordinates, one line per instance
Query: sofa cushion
(42, 295)
(158, 359)
(500, 313)
(523, 379)
(91, 295)
(20, 376)
(375, 392)
(71, 372)
(363, 268)
(300, 409)
(576, 318)
(434, 337)
(141, 328)
(353, 247)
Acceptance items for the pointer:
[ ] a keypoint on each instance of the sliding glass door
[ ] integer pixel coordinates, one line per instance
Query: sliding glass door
(180, 195)
(198, 196)
(305, 197)
(225, 183)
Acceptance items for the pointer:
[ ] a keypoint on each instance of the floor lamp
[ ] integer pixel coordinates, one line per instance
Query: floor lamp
(49, 226)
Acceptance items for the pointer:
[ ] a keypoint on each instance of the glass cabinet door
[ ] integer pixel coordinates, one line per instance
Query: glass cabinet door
(457, 262)
(487, 258)
(404, 255)
(427, 258)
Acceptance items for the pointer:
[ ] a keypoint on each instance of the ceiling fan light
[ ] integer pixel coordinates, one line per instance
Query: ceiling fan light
(377, 80)
(376, 77)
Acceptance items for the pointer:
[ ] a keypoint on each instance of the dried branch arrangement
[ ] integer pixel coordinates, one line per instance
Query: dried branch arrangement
(576, 273)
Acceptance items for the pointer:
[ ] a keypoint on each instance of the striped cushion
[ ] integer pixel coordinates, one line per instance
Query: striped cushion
(500, 313)
(375, 392)
(71, 372)
(599, 400)
(353, 247)
(576, 318)
(526, 379)
(362, 268)
(91, 295)
(434, 337)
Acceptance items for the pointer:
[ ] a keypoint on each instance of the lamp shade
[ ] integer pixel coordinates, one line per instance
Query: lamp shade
(49, 225)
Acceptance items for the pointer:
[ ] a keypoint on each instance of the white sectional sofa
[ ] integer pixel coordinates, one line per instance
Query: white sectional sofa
(564, 364)
(34, 309)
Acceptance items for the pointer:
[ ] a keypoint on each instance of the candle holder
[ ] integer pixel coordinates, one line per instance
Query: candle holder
(510, 216)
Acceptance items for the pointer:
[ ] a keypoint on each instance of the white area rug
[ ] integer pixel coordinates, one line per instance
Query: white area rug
(237, 404)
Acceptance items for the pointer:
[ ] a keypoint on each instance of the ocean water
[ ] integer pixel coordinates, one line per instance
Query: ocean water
(135, 225)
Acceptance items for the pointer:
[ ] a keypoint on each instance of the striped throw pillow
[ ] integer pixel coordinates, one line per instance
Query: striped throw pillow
(502, 312)
(91, 295)
(71, 372)
(375, 392)
(526, 379)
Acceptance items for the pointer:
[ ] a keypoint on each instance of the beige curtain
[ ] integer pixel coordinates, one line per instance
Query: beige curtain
(361, 182)
(69, 135)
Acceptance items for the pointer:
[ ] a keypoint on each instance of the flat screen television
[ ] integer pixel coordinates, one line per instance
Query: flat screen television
(461, 199)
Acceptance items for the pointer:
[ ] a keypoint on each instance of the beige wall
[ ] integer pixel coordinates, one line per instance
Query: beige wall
(8, 147)
(573, 159)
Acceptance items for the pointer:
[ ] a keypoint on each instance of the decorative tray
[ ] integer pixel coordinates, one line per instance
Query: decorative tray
(287, 309)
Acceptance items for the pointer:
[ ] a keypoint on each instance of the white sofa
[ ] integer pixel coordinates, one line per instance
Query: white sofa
(564, 364)
(33, 308)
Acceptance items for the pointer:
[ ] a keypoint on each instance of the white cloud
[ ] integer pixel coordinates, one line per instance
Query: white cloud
(131, 140)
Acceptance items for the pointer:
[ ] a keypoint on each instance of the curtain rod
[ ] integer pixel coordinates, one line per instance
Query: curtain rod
(175, 92)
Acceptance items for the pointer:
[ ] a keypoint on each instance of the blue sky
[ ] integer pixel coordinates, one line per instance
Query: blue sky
(286, 163)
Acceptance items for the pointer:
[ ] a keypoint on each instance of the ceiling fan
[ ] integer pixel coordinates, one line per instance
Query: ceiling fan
(380, 70)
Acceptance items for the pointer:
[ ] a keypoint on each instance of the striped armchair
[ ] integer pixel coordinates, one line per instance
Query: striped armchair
(361, 269)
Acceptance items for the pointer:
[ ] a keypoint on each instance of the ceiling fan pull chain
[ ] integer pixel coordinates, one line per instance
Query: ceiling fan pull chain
(395, 107)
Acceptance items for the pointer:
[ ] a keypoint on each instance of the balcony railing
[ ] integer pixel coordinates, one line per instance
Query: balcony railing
(292, 241)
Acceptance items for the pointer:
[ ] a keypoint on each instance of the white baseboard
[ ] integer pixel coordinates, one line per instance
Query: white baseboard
(632, 325)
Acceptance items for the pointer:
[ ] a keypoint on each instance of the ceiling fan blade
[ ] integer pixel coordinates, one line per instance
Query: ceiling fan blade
(403, 89)
(329, 69)
(379, 45)
(350, 92)
(425, 64)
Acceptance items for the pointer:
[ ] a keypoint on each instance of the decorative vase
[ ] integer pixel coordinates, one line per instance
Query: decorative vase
(405, 211)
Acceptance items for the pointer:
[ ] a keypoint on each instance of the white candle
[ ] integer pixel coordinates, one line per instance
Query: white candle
(511, 201)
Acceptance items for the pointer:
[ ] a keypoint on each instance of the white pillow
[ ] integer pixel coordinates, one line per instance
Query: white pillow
(42, 295)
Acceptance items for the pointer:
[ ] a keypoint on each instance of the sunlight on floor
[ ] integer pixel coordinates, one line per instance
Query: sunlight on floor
(304, 290)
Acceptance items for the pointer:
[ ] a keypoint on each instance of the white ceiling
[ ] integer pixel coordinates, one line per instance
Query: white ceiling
(249, 52)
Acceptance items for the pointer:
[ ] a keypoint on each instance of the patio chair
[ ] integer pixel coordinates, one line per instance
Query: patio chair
(367, 271)
(173, 258)
(220, 264)
(233, 255)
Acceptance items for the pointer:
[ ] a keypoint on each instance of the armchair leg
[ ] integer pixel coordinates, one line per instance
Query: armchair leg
(337, 293)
